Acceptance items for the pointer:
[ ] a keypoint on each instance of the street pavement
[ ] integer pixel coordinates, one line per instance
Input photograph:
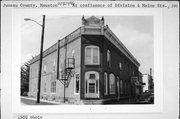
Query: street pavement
(32, 101)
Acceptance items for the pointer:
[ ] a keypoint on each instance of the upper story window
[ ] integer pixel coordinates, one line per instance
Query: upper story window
(92, 55)
(109, 58)
(120, 66)
(44, 69)
(54, 65)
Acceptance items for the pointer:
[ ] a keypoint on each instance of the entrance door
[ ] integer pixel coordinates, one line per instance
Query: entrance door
(92, 84)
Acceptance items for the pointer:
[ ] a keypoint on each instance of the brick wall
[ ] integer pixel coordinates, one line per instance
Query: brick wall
(49, 72)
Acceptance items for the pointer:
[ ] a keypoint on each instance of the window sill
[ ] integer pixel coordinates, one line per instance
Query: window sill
(112, 93)
(92, 64)
(76, 93)
(53, 93)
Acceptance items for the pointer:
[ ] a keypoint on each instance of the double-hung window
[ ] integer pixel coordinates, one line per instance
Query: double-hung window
(92, 55)
(53, 86)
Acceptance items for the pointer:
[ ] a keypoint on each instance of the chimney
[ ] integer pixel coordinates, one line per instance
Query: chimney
(83, 20)
(150, 71)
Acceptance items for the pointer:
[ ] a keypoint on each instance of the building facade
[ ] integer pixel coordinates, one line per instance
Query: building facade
(103, 70)
(149, 83)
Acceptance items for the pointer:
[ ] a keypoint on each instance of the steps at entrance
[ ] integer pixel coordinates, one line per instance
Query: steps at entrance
(92, 102)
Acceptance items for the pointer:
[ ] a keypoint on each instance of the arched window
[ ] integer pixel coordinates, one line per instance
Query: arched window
(112, 83)
(120, 66)
(108, 58)
(92, 55)
(105, 84)
(118, 87)
(121, 87)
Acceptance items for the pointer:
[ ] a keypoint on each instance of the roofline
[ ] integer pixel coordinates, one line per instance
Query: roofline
(76, 33)
(69, 37)
(124, 50)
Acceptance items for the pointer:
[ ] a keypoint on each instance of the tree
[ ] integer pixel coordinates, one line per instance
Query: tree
(25, 69)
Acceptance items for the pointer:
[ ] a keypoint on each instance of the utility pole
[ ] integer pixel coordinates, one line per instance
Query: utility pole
(40, 62)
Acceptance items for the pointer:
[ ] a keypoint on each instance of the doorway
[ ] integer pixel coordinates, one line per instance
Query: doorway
(92, 84)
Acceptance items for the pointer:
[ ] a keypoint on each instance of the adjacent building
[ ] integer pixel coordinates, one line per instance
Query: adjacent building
(89, 65)
(148, 83)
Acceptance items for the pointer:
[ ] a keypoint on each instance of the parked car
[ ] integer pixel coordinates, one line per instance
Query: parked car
(145, 98)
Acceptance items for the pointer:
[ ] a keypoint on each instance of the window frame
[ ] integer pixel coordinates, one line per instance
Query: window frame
(106, 83)
(92, 55)
(108, 58)
(76, 93)
(112, 89)
(54, 65)
(44, 69)
(121, 86)
(53, 88)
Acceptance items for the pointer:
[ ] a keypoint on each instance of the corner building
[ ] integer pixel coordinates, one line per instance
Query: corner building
(104, 68)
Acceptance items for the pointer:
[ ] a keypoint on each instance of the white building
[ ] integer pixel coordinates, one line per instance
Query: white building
(146, 80)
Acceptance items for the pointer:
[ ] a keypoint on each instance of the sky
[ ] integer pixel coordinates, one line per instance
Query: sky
(135, 32)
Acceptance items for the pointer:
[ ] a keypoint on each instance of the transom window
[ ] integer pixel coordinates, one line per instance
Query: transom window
(92, 76)
(92, 55)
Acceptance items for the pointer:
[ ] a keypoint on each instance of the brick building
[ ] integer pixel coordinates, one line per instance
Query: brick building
(103, 70)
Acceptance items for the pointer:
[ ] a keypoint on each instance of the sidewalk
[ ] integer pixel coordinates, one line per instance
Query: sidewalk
(32, 101)
(121, 101)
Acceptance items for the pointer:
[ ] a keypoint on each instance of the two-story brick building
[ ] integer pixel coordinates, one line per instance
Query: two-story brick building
(104, 68)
